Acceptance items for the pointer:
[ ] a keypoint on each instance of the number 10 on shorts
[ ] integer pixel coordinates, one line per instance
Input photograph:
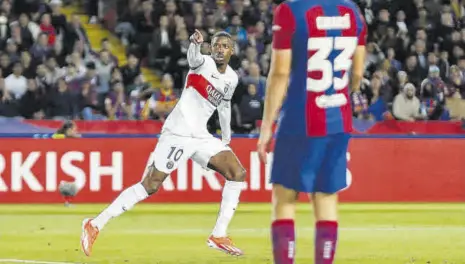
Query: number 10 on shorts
(175, 153)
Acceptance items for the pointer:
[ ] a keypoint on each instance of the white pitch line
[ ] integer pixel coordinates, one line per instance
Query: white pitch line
(248, 231)
(33, 261)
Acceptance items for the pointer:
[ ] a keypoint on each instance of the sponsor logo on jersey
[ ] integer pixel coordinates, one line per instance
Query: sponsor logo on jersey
(214, 96)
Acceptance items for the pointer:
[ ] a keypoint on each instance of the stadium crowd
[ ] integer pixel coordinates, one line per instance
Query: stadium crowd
(415, 66)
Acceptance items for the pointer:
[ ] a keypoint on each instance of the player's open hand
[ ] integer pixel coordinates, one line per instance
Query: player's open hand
(197, 37)
(263, 143)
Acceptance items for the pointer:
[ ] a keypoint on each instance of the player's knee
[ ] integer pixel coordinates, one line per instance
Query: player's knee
(153, 181)
(238, 175)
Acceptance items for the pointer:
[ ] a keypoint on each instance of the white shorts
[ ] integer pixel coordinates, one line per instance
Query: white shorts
(171, 150)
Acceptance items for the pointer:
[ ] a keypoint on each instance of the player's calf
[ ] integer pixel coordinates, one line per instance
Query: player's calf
(325, 210)
(227, 164)
(124, 202)
(282, 228)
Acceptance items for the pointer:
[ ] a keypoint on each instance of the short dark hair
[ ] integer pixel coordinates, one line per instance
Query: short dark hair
(222, 34)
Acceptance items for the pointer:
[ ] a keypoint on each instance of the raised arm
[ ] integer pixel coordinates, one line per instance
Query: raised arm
(194, 57)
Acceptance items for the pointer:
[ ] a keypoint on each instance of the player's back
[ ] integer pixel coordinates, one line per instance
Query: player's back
(326, 34)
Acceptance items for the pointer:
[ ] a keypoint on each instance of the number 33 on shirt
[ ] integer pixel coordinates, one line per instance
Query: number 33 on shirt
(332, 35)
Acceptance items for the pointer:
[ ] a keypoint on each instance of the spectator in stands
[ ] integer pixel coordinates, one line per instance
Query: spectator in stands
(47, 27)
(456, 107)
(456, 83)
(265, 64)
(374, 56)
(398, 84)
(62, 103)
(256, 79)
(88, 104)
(58, 18)
(117, 104)
(53, 70)
(8, 103)
(145, 26)
(422, 62)
(414, 72)
(74, 32)
(391, 57)
(131, 70)
(41, 50)
(165, 99)
(16, 83)
(251, 54)
(197, 19)
(26, 32)
(359, 104)
(406, 105)
(12, 50)
(161, 47)
(461, 65)
(423, 20)
(5, 64)
(43, 79)
(377, 105)
(171, 11)
(178, 62)
(77, 59)
(433, 60)
(33, 103)
(70, 72)
(116, 75)
(105, 45)
(249, 110)
(29, 68)
(104, 66)
(4, 28)
(432, 86)
(237, 30)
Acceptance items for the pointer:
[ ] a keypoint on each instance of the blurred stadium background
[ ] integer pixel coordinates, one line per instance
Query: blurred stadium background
(116, 68)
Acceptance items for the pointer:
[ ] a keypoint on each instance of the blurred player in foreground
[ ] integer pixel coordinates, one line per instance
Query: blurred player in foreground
(318, 44)
(210, 85)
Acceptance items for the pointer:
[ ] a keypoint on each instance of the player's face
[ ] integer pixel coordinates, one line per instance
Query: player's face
(222, 50)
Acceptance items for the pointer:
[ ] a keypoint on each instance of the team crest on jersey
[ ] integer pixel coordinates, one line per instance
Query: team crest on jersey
(169, 165)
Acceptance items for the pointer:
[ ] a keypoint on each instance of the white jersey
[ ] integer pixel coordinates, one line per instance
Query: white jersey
(205, 90)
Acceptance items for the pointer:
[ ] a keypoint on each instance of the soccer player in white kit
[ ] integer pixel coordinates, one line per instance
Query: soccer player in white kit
(210, 85)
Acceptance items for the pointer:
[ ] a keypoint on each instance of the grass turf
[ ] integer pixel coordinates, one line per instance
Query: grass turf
(176, 233)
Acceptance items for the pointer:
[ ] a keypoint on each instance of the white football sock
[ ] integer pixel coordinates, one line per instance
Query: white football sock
(124, 202)
(231, 192)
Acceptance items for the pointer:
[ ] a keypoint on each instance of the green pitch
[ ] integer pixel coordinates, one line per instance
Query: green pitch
(370, 234)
